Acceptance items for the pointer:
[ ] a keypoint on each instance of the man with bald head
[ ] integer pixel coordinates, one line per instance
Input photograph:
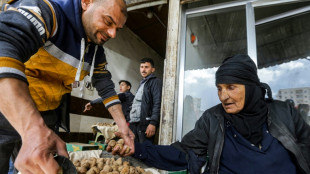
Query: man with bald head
(46, 48)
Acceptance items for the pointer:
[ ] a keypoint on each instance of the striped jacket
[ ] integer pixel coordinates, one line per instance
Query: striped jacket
(42, 43)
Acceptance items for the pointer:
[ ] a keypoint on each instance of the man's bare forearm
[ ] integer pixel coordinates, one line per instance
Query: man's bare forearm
(118, 115)
(17, 105)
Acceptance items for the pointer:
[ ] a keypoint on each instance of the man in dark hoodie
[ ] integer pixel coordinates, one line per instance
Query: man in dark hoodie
(46, 48)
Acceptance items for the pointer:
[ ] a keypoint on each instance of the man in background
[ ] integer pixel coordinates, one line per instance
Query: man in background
(145, 112)
(125, 96)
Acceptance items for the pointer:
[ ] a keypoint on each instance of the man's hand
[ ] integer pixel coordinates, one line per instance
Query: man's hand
(123, 130)
(129, 139)
(150, 130)
(129, 142)
(115, 150)
(40, 144)
(88, 107)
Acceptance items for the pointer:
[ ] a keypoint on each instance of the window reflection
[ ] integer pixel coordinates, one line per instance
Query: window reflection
(200, 94)
(209, 40)
(290, 81)
(284, 55)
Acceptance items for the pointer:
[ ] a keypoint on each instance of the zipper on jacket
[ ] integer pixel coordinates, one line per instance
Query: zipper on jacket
(84, 50)
(76, 82)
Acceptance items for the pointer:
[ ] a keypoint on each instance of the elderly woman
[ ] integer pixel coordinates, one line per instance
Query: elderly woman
(246, 133)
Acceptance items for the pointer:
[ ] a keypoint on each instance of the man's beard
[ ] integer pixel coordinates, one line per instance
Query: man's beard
(95, 40)
(92, 36)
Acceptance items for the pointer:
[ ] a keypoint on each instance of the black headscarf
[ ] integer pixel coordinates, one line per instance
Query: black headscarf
(240, 69)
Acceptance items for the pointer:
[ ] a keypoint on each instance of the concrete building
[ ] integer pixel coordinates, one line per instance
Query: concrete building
(298, 95)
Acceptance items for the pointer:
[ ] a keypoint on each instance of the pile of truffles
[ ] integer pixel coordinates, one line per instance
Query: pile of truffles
(107, 166)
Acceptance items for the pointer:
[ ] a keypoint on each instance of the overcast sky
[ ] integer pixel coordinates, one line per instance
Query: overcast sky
(294, 74)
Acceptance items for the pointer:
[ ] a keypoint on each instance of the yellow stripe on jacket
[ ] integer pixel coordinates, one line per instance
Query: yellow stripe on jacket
(49, 78)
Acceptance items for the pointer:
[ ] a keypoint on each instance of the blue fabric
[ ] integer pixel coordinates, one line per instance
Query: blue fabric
(161, 157)
(195, 163)
(240, 156)
(11, 169)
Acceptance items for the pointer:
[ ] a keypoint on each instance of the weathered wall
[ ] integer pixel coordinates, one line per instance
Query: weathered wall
(124, 54)
(167, 120)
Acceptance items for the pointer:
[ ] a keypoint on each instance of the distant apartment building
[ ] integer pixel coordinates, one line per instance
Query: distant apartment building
(197, 105)
(299, 95)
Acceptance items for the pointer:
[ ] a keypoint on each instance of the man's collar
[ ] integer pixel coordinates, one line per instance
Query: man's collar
(149, 76)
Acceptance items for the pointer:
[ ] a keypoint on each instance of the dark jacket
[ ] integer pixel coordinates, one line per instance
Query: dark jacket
(205, 141)
(126, 99)
(284, 123)
(151, 101)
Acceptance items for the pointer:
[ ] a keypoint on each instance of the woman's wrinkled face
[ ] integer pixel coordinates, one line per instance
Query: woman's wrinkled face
(232, 97)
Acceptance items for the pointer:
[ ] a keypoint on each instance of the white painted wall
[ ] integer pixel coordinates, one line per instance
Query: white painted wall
(123, 56)
(80, 123)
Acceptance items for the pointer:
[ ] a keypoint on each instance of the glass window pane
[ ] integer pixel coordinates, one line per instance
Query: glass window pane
(284, 58)
(209, 39)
